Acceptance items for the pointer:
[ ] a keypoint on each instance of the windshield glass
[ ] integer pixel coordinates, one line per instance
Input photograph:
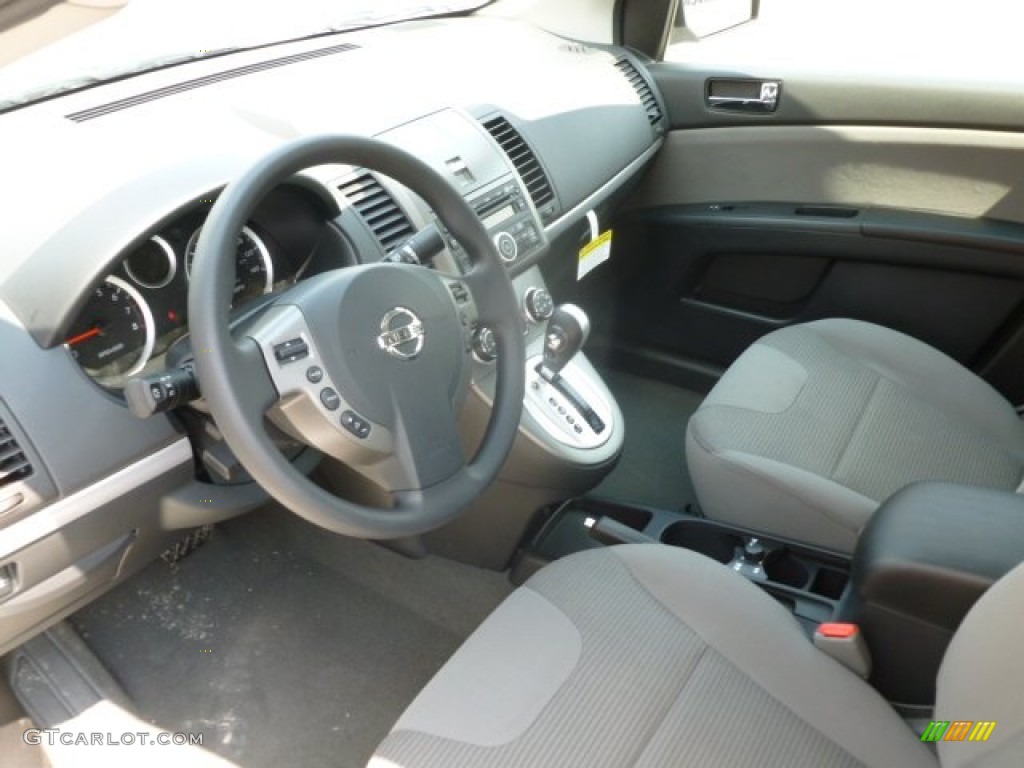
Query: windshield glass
(51, 47)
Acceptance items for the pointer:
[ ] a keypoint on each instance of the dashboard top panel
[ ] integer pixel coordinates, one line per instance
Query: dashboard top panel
(206, 136)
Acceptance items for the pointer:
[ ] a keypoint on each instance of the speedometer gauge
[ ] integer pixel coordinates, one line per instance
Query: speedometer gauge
(114, 334)
(254, 270)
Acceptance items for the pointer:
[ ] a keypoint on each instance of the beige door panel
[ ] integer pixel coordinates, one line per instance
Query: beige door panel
(960, 172)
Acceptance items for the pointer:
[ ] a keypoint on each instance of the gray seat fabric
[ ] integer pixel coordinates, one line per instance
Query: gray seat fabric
(982, 678)
(645, 655)
(816, 424)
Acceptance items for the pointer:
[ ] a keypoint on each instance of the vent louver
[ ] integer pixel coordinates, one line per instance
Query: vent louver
(525, 161)
(379, 209)
(14, 464)
(643, 90)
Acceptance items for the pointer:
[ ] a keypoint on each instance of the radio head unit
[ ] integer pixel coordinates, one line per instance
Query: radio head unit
(509, 219)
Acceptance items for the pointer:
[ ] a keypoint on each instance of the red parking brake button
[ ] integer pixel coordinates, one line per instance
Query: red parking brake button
(837, 629)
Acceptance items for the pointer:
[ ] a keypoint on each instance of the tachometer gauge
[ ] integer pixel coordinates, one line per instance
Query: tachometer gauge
(114, 335)
(254, 270)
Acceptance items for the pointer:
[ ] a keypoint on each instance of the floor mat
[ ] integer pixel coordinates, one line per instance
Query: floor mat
(284, 644)
(16, 753)
(652, 469)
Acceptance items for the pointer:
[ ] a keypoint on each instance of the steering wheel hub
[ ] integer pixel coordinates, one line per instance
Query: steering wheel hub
(401, 334)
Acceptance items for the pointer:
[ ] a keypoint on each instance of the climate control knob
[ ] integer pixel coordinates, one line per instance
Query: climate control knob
(538, 304)
(485, 346)
(507, 246)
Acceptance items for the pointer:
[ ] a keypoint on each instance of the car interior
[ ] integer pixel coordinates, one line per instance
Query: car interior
(593, 383)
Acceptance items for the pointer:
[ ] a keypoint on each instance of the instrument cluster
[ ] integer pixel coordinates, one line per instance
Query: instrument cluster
(134, 316)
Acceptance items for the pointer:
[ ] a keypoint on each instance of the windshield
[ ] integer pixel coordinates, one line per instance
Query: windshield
(48, 48)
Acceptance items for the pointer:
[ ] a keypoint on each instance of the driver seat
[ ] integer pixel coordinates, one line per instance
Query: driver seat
(649, 655)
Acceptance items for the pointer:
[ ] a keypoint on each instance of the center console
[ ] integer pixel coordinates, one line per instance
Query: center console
(924, 558)
(810, 582)
(571, 433)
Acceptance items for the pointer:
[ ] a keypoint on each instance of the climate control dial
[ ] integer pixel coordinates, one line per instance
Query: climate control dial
(507, 247)
(538, 304)
(485, 346)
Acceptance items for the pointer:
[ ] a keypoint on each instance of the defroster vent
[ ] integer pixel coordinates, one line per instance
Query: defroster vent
(378, 208)
(14, 464)
(643, 90)
(526, 163)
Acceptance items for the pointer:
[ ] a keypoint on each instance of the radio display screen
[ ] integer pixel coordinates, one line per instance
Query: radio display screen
(502, 214)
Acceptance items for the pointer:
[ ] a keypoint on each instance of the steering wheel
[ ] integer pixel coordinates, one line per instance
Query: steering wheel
(369, 364)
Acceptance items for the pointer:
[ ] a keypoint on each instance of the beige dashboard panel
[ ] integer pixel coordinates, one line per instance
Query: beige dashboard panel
(960, 172)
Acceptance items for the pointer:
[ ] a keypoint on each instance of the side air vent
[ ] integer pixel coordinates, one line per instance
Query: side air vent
(14, 464)
(115, 106)
(525, 161)
(378, 208)
(643, 90)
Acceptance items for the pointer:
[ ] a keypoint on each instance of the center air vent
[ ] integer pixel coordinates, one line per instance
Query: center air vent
(14, 464)
(379, 209)
(525, 161)
(643, 90)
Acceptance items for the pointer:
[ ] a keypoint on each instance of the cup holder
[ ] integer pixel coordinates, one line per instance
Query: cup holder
(830, 583)
(637, 519)
(786, 570)
(714, 543)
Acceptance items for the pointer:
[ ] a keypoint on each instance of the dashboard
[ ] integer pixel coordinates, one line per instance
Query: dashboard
(541, 135)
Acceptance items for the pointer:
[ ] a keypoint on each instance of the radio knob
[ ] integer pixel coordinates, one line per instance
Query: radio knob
(485, 346)
(538, 304)
(507, 246)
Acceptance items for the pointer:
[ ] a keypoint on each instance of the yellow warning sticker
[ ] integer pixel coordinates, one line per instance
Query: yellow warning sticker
(594, 254)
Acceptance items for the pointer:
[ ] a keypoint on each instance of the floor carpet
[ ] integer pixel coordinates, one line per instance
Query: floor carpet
(284, 644)
(652, 470)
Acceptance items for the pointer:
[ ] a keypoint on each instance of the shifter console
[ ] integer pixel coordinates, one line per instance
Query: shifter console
(561, 395)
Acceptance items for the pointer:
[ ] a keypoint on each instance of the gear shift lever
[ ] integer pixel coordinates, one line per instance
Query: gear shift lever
(568, 327)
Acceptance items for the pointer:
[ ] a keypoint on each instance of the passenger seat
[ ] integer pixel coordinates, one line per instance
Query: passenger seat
(816, 424)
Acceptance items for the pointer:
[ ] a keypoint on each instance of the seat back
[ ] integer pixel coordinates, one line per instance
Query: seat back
(981, 683)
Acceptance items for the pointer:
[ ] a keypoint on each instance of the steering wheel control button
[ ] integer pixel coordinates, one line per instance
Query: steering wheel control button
(355, 424)
(290, 351)
(314, 374)
(330, 399)
(507, 247)
(401, 334)
(459, 292)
